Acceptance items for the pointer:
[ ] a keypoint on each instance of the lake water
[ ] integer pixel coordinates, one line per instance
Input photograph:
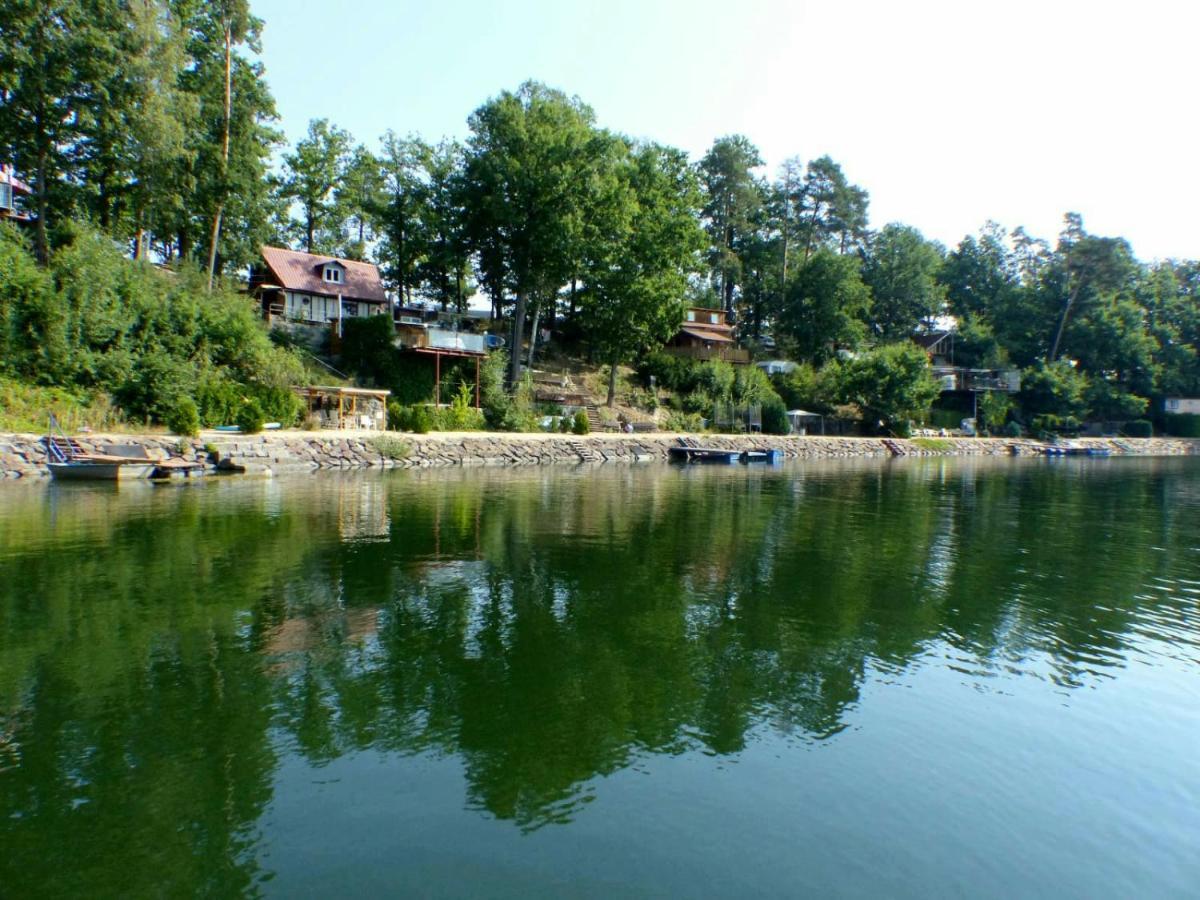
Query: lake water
(904, 679)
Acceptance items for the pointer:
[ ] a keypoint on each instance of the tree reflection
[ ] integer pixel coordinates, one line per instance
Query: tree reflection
(159, 654)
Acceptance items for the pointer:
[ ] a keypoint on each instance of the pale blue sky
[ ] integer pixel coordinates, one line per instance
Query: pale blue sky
(949, 112)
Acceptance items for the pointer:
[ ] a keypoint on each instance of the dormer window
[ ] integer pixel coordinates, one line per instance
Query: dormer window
(333, 273)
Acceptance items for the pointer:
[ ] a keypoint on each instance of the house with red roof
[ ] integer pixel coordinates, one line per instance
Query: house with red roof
(704, 335)
(11, 190)
(315, 290)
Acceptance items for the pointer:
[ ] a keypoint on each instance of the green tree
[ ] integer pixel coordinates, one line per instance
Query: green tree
(1055, 388)
(400, 220)
(312, 173)
(360, 198)
(892, 385)
(901, 268)
(528, 164)
(733, 197)
(826, 307)
(640, 254)
(45, 81)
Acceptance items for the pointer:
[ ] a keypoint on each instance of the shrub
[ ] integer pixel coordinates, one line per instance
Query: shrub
(1013, 430)
(460, 415)
(420, 420)
(390, 447)
(1139, 428)
(184, 418)
(580, 425)
(250, 417)
(564, 425)
(774, 416)
(1182, 424)
(686, 422)
(397, 416)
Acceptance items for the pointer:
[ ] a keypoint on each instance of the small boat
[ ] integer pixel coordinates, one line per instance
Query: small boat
(236, 429)
(761, 456)
(686, 453)
(69, 462)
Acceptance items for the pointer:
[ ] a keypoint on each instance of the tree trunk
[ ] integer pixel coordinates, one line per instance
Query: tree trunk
(1062, 324)
(612, 383)
(533, 332)
(216, 226)
(40, 242)
(518, 329)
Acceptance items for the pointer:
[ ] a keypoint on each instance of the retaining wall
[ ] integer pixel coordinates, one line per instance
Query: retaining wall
(24, 456)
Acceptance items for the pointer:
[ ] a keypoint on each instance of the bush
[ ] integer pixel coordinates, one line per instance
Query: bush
(564, 425)
(1182, 425)
(1013, 430)
(685, 422)
(250, 417)
(390, 447)
(774, 416)
(460, 415)
(580, 425)
(397, 416)
(420, 420)
(1139, 428)
(184, 418)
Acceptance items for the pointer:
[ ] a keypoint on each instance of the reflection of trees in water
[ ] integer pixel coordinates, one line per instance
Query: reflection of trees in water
(545, 628)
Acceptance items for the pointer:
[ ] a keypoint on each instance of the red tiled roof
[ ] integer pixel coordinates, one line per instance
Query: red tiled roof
(297, 271)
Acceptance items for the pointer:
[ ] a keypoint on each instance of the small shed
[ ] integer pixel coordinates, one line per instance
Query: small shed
(346, 407)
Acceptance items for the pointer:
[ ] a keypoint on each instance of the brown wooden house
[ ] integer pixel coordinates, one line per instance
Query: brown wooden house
(705, 335)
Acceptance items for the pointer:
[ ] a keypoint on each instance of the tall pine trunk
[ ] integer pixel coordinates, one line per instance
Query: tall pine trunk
(612, 383)
(518, 330)
(221, 188)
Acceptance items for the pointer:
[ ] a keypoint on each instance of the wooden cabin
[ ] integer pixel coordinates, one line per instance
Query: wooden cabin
(706, 335)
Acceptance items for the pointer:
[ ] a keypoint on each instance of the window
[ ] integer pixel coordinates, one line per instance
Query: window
(349, 309)
(333, 274)
(712, 318)
(6, 195)
(691, 316)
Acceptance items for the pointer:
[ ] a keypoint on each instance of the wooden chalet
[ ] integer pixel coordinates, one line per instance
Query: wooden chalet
(309, 289)
(706, 335)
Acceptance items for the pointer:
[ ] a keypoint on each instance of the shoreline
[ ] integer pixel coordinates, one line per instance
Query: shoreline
(23, 457)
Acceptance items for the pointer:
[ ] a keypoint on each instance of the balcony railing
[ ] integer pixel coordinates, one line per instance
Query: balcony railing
(726, 354)
(417, 338)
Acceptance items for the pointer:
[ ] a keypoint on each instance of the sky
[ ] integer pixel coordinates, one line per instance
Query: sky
(948, 113)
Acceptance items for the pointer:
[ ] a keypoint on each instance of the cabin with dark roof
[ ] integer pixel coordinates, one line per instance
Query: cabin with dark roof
(705, 335)
(316, 290)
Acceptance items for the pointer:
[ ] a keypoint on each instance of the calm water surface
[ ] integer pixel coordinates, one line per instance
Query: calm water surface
(922, 678)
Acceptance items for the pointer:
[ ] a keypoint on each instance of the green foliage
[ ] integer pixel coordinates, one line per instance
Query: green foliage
(389, 446)
(580, 424)
(420, 419)
(1053, 388)
(27, 408)
(250, 417)
(805, 388)
(774, 416)
(98, 323)
(826, 307)
(684, 422)
(1139, 428)
(994, 407)
(460, 415)
(1182, 425)
(891, 385)
(184, 419)
(1013, 430)
(397, 416)
(939, 445)
(901, 269)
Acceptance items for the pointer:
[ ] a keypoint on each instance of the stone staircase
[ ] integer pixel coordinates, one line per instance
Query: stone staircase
(586, 452)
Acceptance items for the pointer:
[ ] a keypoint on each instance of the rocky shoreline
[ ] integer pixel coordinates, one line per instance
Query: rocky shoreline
(23, 456)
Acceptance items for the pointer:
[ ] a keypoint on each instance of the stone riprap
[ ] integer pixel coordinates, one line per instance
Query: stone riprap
(24, 455)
